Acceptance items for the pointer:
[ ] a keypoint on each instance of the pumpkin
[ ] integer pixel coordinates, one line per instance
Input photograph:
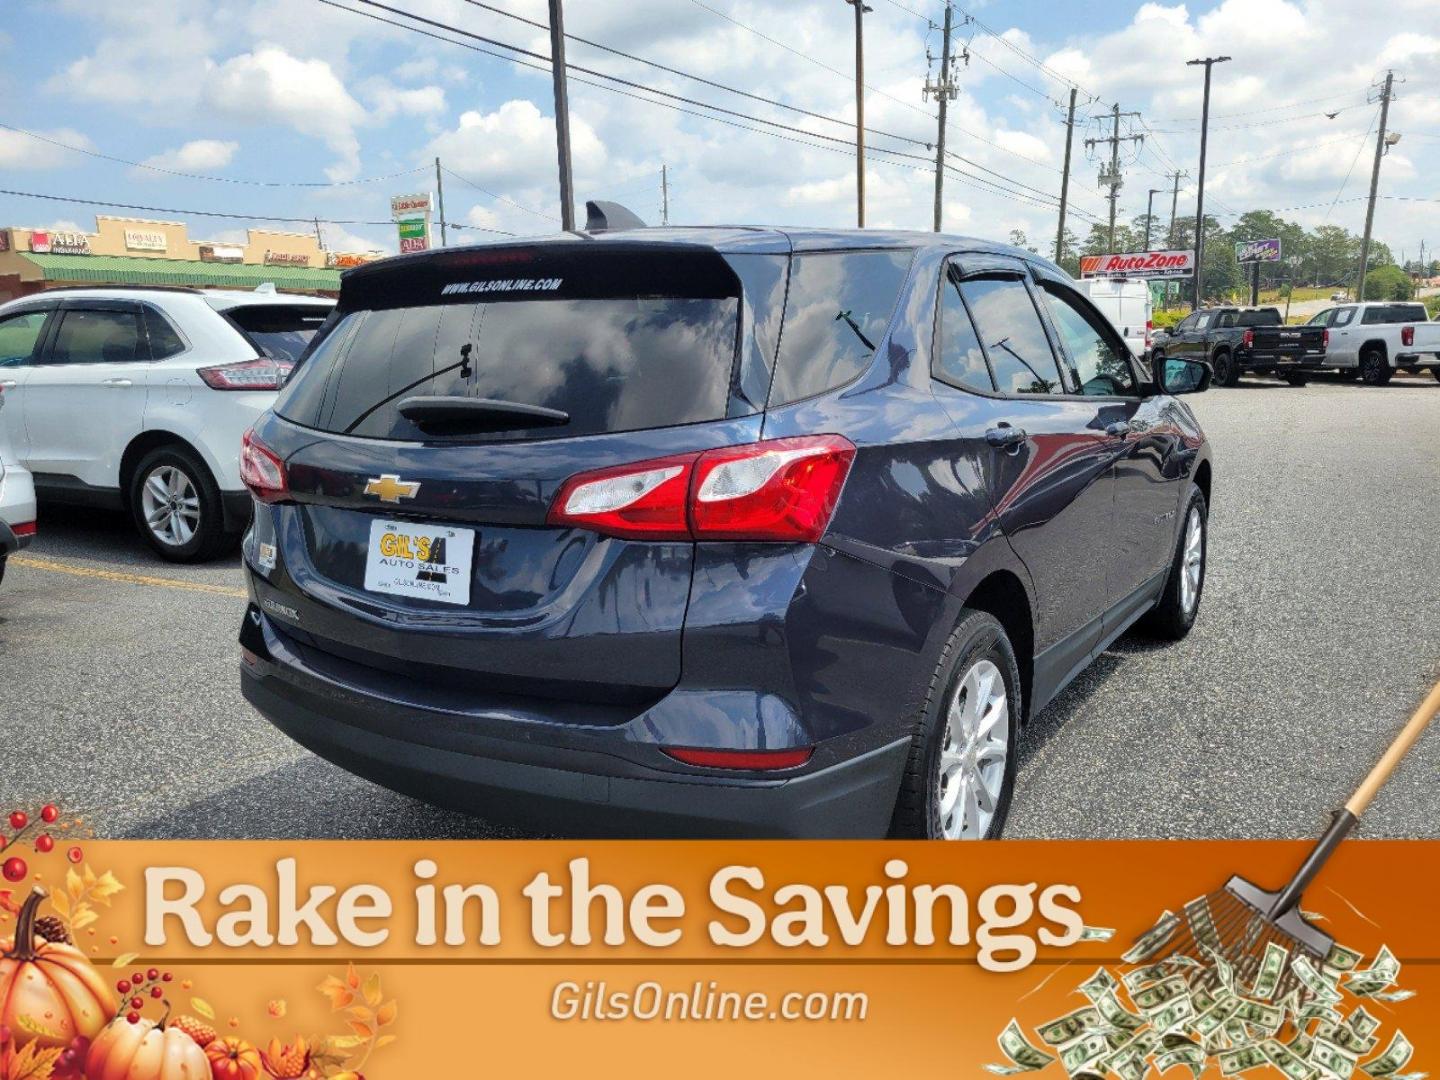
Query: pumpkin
(233, 1059)
(145, 1051)
(49, 993)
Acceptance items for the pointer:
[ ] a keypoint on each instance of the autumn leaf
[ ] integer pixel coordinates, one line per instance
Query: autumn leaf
(124, 959)
(343, 1042)
(386, 1013)
(203, 1007)
(73, 884)
(361, 1013)
(84, 916)
(365, 1031)
(105, 888)
(33, 1063)
(338, 993)
(383, 1041)
(372, 990)
(35, 1027)
(352, 977)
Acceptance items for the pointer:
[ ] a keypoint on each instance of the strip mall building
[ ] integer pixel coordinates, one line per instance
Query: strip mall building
(130, 251)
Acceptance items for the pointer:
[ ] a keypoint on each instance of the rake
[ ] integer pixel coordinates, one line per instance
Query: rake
(1239, 921)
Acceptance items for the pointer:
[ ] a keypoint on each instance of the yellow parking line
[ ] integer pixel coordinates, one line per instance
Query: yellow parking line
(131, 579)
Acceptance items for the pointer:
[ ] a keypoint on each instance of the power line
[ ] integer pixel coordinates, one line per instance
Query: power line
(1258, 112)
(204, 176)
(497, 197)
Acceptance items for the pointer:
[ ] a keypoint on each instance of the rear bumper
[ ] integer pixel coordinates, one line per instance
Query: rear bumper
(1280, 362)
(17, 507)
(555, 786)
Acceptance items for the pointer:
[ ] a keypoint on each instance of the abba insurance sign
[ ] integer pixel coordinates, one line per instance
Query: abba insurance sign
(1139, 264)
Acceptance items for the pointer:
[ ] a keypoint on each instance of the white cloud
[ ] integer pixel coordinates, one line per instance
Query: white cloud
(514, 146)
(198, 155)
(388, 100)
(271, 86)
(19, 151)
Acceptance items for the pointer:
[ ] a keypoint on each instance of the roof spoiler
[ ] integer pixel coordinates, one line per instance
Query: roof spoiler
(604, 216)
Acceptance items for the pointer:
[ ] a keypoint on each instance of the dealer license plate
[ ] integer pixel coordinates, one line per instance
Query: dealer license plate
(423, 562)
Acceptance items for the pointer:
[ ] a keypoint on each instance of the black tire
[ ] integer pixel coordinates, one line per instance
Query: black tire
(1296, 380)
(1170, 619)
(208, 537)
(1227, 372)
(977, 637)
(1375, 370)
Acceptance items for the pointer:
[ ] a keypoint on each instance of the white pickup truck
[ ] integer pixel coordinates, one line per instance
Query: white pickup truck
(1374, 340)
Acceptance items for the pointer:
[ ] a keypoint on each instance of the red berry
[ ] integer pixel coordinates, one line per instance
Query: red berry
(138, 978)
(152, 974)
(15, 869)
(75, 854)
(44, 843)
(68, 1058)
(133, 1017)
(137, 1003)
(19, 819)
(49, 813)
(157, 992)
(166, 977)
(123, 986)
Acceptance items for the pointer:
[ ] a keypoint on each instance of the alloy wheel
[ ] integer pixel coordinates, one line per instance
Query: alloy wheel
(974, 753)
(1192, 561)
(171, 506)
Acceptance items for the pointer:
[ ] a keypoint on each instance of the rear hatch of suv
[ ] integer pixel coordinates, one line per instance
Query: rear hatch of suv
(421, 444)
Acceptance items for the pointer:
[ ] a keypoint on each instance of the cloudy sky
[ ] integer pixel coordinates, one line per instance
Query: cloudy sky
(300, 108)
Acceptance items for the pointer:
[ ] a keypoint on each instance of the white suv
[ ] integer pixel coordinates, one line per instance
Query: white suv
(137, 398)
(17, 501)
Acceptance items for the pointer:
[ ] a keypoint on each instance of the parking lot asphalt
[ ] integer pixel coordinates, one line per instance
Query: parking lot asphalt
(1319, 632)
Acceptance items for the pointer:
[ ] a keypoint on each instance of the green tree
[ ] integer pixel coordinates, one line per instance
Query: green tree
(1388, 283)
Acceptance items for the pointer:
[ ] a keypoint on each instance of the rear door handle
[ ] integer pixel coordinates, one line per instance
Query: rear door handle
(118, 383)
(1005, 436)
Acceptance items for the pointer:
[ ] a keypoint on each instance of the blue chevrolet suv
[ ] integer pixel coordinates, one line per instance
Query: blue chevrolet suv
(745, 531)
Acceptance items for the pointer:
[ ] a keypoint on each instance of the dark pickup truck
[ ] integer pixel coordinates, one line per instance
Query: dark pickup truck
(1237, 340)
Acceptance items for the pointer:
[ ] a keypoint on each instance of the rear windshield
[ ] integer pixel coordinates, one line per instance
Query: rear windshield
(1394, 313)
(1262, 317)
(279, 331)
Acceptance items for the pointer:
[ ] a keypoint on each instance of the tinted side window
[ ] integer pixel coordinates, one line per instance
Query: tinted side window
(959, 360)
(1409, 312)
(1201, 321)
(18, 334)
(165, 341)
(1013, 336)
(1322, 319)
(1343, 316)
(96, 337)
(838, 308)
(1186, 324)
(1375, 315)
(1101, 365)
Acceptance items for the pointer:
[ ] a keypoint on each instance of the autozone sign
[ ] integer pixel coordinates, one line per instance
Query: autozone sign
(1139, 264)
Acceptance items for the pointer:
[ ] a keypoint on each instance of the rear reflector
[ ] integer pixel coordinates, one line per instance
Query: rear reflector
(25, 528)
(779, 490)
(262, 471)
(753, 760)
(259, 374)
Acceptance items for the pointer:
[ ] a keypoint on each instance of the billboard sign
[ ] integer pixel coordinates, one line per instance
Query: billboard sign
(1139, 264)
(221, 253)
(1257, 251)
(409, 206)
(414, 235)
(145, 240)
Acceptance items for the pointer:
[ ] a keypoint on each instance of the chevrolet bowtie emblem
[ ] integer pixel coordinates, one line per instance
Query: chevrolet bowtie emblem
(387, 487)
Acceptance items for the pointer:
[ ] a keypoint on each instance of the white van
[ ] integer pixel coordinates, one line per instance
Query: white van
(1127, 305)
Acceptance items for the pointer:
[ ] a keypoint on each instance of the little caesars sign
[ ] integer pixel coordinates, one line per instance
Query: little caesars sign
(411, 214)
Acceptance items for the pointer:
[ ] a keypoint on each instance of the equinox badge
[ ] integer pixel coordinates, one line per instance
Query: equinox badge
(387, 487)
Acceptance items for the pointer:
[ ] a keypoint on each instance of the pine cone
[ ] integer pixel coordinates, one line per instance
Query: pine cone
(52, 929)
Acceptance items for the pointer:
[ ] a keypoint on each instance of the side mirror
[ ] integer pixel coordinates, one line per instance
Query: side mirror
(1175, 375)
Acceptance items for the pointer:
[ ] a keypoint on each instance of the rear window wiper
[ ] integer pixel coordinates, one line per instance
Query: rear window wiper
(478, 413)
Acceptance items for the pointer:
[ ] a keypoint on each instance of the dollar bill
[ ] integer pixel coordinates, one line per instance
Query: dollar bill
(1213, 1019)
(1313, 981)
(1272, 966)
(1192, 1056)
(1154, 997)
(1302, 1044)
(1396, 1056)
(1102, 982)
(1361, 1022)
(1023, 1057)
(1141, 976)
(1097, 933)
(1241, 1058)
(1115, 1014)
(1153, 940)
(1223, 971)
(1391, 996)
(1345, 1037)
(1202, 923)
(1173, 1015)
(1287, 1061)
(1069, 1027)
(1334, 1059)
(1083, 1052)
(1266, 1017)
(1382, 972)
(1342, 959)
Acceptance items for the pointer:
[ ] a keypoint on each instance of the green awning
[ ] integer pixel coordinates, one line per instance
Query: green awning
(119, 270)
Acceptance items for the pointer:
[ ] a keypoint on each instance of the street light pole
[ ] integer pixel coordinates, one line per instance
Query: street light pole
(562, 115)
(1209, 62)
(860, 11)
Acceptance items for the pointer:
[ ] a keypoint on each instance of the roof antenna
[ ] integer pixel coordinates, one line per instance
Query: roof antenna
(604, 216)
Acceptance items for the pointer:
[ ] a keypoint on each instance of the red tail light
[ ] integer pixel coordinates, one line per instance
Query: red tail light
(262, 471)
(1149, 330)
(1326, 339)
(741, 759)
(25, 528)
(1247, 339)
(1407, 335)
(780, 489)
(258, 374)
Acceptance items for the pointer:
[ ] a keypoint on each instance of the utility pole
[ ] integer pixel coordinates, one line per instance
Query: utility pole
(860, 11)
(1374, 184)
(1174, 203)
(440, 201)
(319, 240)
(1209, 62)
(1065, 179)
(944, 89)
(1149, 213)
(664, 195)
(1111, 177)
(562, 115)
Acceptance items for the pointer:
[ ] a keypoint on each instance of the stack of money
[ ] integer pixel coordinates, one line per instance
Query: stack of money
(1197, 1012)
